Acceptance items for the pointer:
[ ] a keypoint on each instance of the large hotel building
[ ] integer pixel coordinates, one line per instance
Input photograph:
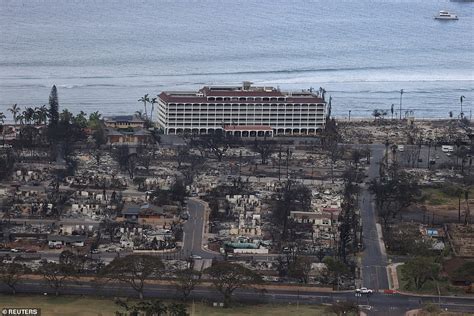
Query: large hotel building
(245, 111)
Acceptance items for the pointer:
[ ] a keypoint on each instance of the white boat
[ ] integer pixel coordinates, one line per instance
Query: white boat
(445, 15)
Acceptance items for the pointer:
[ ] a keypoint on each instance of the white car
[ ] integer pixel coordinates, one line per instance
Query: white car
(365, 290)
(195, 257)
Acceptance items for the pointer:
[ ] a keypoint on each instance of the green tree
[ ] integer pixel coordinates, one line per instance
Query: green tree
(81, 120)
(227, 277)
(336, 269)
(300, 268)
(28, 115)
(393, 192)
(178, 191)
(134, 270)
(53, 106)
(145, 100)
(186, 280)
(153, 101)
(94, 120)
(56, 274)
(99, 136)
(42, 114)
(419, 270)
(2, 120)
(15, 110)
(10, 274)
(213, 144)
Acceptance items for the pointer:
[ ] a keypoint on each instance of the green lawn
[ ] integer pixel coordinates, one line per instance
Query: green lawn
(436, 196)
(430, 287)
(86, 306)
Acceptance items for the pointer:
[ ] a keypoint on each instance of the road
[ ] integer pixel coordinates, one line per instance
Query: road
(374, 258)
(194, 231)
(379, 304)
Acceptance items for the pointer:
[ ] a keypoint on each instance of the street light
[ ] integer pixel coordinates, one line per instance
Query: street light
(462, 99)
(401, 94)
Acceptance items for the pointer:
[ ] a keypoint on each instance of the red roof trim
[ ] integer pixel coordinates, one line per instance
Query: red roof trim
(194, 99)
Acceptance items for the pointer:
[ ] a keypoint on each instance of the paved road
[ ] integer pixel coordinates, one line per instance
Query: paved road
(374, 258)
(194, 231)
(379, 304)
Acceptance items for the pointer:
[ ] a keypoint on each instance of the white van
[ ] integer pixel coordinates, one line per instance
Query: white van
(447, 148)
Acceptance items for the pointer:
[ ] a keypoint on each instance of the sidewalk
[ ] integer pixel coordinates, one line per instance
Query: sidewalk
(393, 276)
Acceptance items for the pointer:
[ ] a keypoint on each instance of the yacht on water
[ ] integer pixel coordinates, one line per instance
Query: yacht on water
(445, 15)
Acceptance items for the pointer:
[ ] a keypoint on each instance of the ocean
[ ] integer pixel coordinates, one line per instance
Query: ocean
(103, 55)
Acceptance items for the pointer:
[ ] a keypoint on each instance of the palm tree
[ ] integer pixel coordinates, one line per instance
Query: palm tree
(28, 114)
(66, 116)
(2, 120)
(15, 109)
(94, 119)
(145, 100)
(20, 118)
(95, 116)
(35, 117)
(139, 114)
(153, 102)
(43, 114)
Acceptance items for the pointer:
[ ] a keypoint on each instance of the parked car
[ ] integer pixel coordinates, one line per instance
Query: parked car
(14, 250)
(195, 257)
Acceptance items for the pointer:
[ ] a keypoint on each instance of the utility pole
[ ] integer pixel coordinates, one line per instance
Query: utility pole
(429, 149)
(349, 115)
(279, 164)
(401, 95)
(240, 163)
(462, 99)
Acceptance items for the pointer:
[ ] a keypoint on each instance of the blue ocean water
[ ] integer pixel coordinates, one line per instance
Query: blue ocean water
(104, 54)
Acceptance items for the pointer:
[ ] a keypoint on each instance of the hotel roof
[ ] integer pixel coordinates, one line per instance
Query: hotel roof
(203, 99)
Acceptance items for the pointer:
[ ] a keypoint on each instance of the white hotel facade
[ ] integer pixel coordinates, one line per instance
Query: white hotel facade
(243, 111)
